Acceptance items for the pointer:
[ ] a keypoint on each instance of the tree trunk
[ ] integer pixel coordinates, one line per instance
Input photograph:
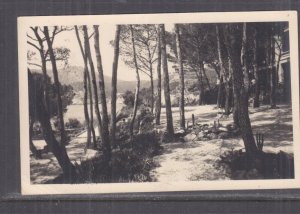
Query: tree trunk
(89, 84)
(220, 90)
(224, 76)
(85, 107)
(57, 149)
(44, 66)
(227, 98)
(137, 89)
(57, 86)
(89, 56)
(244, 58)
(234, 54)
(206, 79)
(181, 75)
(273, 82)
(256, 73)
(235, 95)
(151, 77)
(158, 100)
(170, 129)
(105, 120)
(152, 88)
(114, 87)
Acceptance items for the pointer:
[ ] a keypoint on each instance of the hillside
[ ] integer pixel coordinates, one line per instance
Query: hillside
(73, 75)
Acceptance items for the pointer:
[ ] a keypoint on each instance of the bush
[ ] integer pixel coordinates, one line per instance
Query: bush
(73, 123)
(131, 163)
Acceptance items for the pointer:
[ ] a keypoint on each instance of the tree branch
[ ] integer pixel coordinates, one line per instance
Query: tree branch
(30, 43)
(30, 63)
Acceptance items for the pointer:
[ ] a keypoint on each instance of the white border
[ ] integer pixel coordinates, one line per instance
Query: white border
(220, 17)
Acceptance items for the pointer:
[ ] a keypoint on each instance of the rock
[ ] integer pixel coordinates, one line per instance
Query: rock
(223, 129)
(213, 136)
(190, 137)
(181, 131)
(201, 134)
(223, 135)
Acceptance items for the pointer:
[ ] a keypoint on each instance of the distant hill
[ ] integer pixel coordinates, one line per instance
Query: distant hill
(73, 75)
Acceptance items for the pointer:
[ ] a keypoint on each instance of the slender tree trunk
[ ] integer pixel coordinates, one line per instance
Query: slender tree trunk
(137, 89)
(85, 107)
(235, 95)
(242, 98)
(105, 120)
(158, 101)
(44, 66)
(256, 73)
(152, 88)
(273, 82)
(206, 79)
(220, 90)
(170, 129)
(181, 75)
(57, 85)
(227, 98)
(221, 66)
(57, 149)
(114, 87)
(89, 84)
(151, 77)
(89, 56)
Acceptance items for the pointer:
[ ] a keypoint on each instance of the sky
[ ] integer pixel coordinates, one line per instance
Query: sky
(107, 33)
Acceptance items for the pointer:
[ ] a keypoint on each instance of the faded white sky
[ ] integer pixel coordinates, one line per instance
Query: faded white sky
(107, 33)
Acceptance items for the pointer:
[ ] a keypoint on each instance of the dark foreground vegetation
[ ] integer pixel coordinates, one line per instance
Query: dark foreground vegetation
(268, 166)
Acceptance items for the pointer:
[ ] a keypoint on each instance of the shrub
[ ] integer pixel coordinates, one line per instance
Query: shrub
(73, 123)
(131, 163)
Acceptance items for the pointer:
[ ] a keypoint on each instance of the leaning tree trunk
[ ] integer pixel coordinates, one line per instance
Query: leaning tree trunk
(89, 56)
(105, 120)
(44, 67)
(57, 87)
(234, 53)
(114, 87)
(181, 75)
(256, 73)
(57, 149)
(137, 89)
(170, 128)
(158, 100)
(85, 107)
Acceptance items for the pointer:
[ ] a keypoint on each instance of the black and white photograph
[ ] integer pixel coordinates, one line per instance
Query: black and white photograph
(159, 102)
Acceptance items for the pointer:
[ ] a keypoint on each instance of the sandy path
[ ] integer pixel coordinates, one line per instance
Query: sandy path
(192, 161)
